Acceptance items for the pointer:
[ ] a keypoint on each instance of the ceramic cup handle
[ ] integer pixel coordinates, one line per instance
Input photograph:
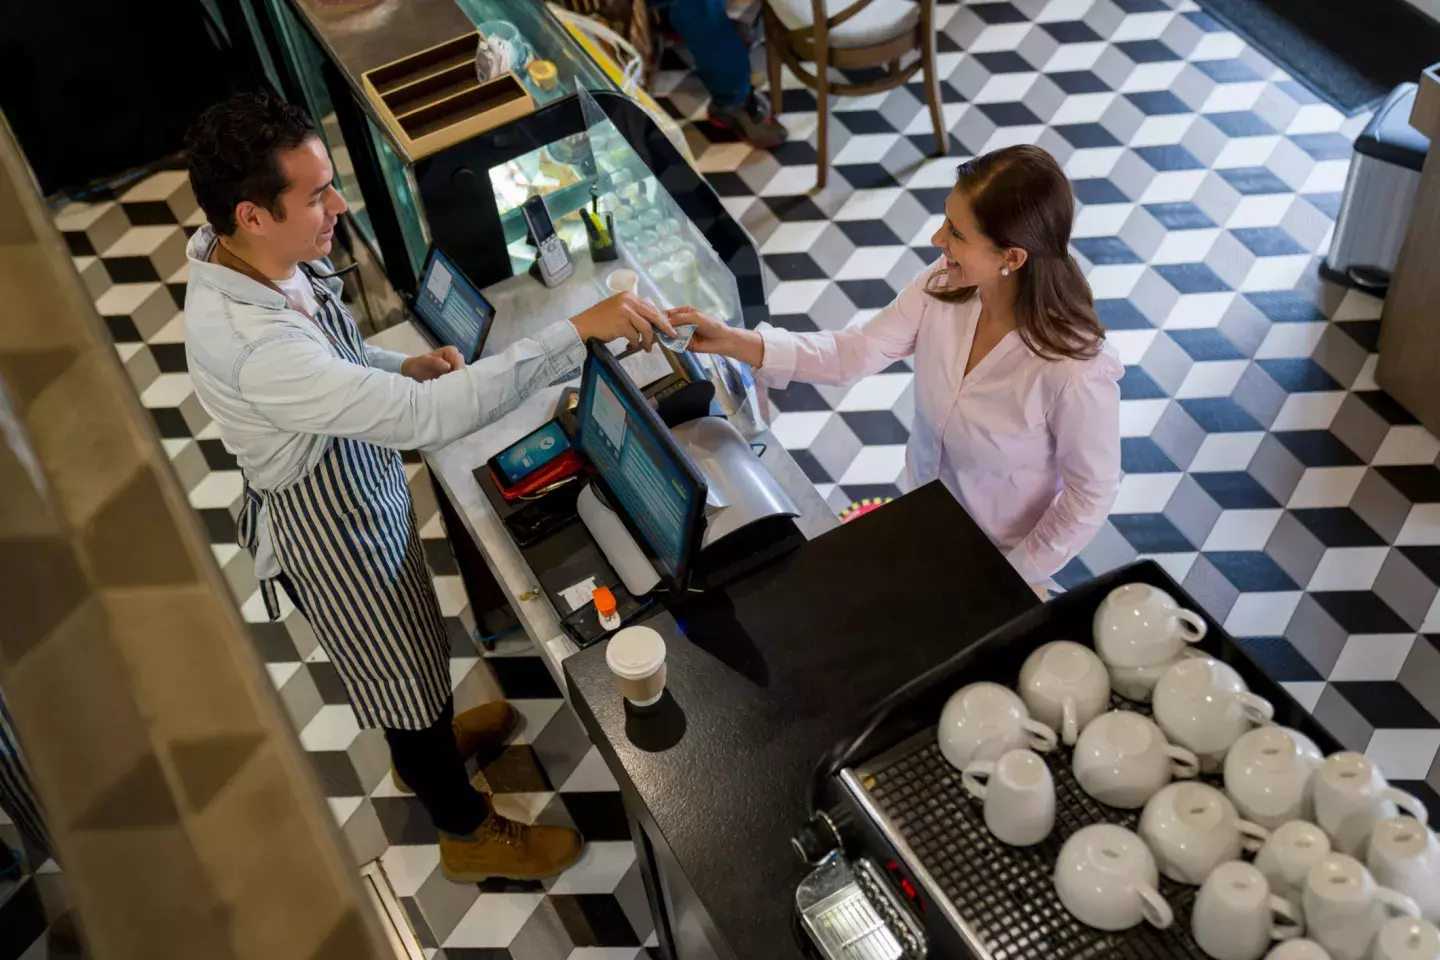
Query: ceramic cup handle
(1156, 911)
(1069, 722)
(1186, 765)
(1253, 835)
(1192, 626)
(1408, 802)
(1397, 903)
(1042, 738)
(1258, 710)
(972, 776)
(1288, 924)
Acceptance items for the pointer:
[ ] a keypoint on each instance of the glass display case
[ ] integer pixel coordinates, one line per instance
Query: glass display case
(599, 169)
(583, 146)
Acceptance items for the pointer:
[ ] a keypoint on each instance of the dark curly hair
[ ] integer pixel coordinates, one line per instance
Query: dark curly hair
(234, 149)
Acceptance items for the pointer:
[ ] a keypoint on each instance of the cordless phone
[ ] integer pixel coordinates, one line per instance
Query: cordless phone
(552, 258)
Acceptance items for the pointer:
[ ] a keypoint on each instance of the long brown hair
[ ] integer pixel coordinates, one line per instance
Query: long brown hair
(1021, 198)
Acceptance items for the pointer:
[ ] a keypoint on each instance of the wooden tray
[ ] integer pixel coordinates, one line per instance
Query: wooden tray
(432, 99)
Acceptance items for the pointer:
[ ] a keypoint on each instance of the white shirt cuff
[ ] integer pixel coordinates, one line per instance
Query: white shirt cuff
(778, 367)
(564, 348)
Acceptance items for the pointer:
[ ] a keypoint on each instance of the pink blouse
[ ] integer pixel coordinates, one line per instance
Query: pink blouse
(1030, 447)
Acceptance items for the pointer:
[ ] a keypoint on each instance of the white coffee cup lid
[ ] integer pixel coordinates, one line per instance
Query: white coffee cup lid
(635, 653)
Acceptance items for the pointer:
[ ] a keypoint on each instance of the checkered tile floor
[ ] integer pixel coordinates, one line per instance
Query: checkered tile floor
(1263, 467)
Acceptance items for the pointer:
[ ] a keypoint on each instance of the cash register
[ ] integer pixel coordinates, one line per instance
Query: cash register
(688, 507)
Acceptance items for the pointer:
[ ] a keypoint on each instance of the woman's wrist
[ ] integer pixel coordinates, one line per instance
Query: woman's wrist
(747, 346)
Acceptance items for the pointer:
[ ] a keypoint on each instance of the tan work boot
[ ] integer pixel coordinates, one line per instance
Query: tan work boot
(480, 732)
(505, 848)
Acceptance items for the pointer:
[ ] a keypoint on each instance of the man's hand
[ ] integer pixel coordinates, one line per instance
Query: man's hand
(714, 336)
(623, 315)
(434, 364)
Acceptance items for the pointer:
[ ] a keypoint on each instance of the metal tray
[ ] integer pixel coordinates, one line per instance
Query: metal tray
(1001, 900)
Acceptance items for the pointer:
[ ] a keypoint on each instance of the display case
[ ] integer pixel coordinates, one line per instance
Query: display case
(584, 144)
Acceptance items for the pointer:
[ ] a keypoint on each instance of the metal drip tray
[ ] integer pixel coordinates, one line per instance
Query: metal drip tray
(1004, 896)
(851, 914)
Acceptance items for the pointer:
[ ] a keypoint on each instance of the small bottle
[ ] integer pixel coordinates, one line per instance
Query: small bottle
(605, 607)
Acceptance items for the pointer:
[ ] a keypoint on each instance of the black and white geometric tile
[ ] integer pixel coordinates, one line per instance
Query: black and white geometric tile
(1263, 467)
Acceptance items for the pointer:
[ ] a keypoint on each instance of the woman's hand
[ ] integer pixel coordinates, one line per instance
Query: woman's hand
(714, 336)
(434, 364)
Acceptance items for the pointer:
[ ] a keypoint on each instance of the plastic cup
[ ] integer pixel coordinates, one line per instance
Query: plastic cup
(621, 281)
(683, 263)
(636, 655)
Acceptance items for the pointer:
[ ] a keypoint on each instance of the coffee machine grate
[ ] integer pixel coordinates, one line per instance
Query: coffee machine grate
(1006, 894)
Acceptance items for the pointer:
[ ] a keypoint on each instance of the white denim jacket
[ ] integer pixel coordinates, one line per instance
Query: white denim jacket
(278, 390)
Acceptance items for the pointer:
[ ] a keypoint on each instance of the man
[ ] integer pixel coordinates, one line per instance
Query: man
(314, 417)
(722, 61)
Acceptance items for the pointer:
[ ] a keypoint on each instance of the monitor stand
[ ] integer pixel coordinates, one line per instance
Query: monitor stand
(624, 554)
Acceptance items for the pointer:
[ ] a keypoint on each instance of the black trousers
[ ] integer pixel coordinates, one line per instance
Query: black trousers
(429, 763)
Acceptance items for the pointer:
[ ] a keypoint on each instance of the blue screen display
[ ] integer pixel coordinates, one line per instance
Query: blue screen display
(653, 491)
(456, 313)
(532, 452)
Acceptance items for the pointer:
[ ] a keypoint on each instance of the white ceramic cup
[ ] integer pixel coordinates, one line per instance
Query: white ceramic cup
(1286, 858)
(1269, 772)
(1065, 686)
(1405, 856)
(622, 280)
(1298, 950)
(983, 721)
(1192, 828)
(1351, 796)
(1345, 907)
(1236, 917)
(1019, 796)
(1122, 759)
(1401, 938)
(1204, 706)
(1138, 625)
(1107, 879)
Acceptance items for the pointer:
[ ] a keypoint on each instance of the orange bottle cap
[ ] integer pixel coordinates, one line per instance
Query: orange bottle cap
(604, 602)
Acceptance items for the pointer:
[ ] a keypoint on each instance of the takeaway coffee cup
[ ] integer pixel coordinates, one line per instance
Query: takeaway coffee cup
(636, 655)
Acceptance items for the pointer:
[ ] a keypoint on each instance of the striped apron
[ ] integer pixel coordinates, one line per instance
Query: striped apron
(346, 538)
(17, 797)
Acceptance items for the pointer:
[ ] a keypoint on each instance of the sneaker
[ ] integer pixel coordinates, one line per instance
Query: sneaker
(511, 850)
(480, 732)
(751, 123)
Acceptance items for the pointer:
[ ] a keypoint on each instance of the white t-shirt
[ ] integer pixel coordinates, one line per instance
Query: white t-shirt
(299, 290)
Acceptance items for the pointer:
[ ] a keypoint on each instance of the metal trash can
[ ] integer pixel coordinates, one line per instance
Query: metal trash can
(1379, 194)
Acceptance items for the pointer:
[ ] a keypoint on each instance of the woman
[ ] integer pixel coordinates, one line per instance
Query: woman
(1016, 403)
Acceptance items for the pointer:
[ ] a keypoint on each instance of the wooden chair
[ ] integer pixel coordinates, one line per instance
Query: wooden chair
(852, 36)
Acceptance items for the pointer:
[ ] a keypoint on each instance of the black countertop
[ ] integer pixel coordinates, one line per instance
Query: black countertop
(768, 673)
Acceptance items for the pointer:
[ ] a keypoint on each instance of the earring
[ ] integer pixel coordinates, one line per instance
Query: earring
(1004, 271)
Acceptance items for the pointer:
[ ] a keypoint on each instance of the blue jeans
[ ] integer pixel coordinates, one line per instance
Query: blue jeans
(721, 57)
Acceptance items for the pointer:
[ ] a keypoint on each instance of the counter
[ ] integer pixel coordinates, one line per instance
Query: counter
(765, 675)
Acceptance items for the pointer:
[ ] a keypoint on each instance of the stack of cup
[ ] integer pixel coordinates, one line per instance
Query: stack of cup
(1140, 631)
(987, 734)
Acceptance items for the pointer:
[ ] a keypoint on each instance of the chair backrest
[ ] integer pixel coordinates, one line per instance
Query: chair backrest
(822, 22)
